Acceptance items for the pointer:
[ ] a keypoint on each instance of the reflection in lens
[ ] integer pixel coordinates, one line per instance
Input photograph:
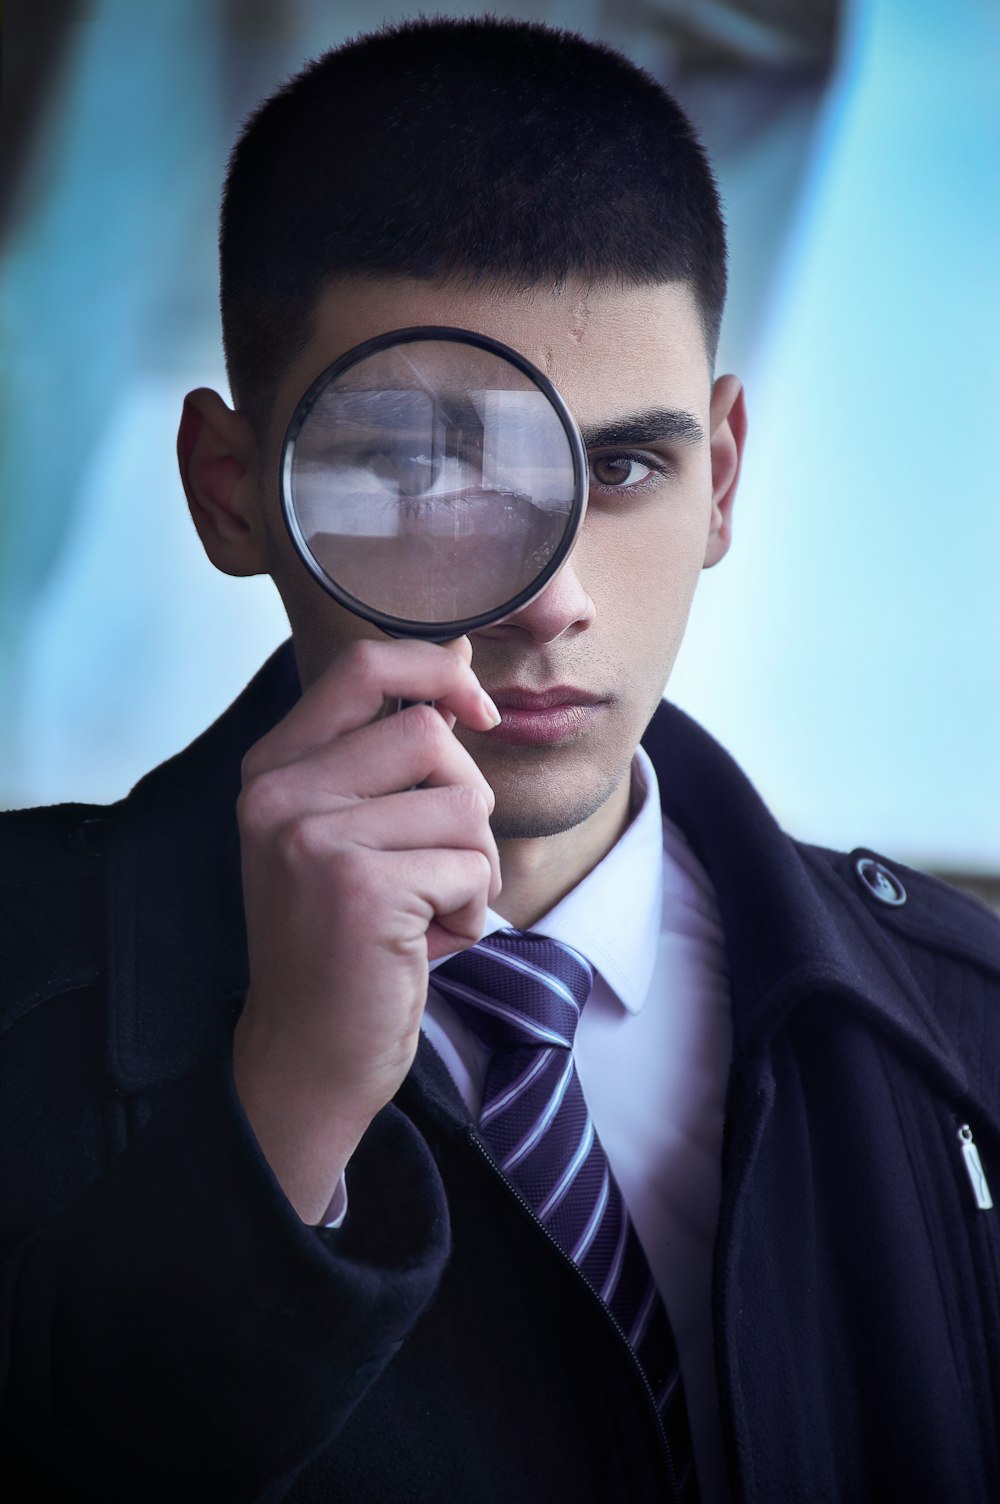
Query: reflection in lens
(432, 481)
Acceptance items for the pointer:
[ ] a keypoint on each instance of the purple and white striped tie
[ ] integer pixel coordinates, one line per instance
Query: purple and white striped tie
(522, 995)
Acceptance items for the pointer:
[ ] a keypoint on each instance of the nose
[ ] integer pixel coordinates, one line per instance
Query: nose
(563, 609)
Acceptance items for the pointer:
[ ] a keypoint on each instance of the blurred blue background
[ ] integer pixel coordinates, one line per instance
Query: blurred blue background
(848, 650)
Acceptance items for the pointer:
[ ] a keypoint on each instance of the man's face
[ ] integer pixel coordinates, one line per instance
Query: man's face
(601, 639)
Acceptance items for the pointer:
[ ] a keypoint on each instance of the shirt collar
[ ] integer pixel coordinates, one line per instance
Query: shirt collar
(613, 915)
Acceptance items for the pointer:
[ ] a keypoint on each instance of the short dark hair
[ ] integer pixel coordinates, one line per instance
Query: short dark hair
(494, 152)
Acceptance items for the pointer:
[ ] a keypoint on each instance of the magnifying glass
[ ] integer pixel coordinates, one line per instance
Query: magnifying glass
(433, 481)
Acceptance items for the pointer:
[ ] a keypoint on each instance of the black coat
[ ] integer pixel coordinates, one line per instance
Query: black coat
(171, 1330)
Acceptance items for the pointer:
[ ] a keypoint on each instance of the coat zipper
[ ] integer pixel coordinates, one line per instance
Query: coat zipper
(513, 1191)
(974, 1169)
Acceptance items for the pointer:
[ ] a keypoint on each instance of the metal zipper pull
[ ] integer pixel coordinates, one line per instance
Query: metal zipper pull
(974, 1169)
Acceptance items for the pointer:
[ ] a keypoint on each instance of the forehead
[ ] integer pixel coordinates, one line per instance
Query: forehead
(610, 350)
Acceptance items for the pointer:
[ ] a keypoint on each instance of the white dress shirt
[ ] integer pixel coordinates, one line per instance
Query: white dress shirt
(653, 1049)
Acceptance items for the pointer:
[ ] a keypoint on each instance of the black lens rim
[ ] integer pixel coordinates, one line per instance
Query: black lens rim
(398, 626)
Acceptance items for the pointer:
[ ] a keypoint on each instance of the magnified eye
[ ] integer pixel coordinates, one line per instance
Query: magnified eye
(410, 474)
(618, 471)
(421, 477)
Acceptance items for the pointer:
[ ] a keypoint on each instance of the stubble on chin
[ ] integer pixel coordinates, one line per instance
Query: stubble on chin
(533, 801)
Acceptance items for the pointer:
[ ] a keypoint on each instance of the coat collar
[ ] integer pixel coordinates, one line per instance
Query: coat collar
(177, 947)
(798, 923)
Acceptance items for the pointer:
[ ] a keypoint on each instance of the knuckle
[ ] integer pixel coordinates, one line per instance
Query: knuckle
(467, 802)
(301, 841)
(423, 724)
(477, 874)
(258, 801)
(360, 660)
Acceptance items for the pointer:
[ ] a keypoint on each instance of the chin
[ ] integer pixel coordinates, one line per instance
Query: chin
(525, 814)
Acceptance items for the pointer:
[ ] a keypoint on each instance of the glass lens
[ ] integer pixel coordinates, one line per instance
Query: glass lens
(433, 481)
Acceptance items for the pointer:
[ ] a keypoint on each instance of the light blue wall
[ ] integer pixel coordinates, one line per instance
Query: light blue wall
(848, 649)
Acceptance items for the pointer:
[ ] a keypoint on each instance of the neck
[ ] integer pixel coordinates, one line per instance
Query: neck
(538, 872)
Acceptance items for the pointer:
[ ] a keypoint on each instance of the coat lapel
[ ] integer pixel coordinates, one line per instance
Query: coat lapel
(797, 923)
(177, 941)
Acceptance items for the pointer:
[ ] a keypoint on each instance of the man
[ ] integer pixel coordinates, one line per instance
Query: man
(260, 1243)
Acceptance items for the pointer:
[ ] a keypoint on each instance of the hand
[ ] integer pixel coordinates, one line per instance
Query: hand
(367, 852)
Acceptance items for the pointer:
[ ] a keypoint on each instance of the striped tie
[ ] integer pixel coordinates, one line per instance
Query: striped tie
(522, 995)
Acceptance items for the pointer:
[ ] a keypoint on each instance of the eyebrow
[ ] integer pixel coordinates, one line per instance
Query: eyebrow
(651, 427)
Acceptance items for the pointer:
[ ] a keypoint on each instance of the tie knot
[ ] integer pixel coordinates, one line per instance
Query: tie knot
(516, 989)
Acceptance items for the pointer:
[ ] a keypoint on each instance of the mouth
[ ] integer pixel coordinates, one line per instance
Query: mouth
(545, 717)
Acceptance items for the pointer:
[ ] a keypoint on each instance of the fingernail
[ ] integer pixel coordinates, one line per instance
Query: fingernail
(490, 709)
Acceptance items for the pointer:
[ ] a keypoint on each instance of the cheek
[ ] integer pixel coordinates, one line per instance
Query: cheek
(643, 566)
(323, 631)
(641, 573)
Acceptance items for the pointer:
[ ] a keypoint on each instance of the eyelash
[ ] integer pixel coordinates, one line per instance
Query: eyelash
(659, 468)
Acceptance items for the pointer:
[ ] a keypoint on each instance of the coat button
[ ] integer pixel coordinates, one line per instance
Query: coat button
(880, 882)
(91, 836)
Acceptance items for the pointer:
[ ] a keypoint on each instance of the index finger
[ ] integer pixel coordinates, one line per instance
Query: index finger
(353, 691)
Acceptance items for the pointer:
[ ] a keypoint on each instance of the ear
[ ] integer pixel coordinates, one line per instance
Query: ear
(218, 459)
(729, 431)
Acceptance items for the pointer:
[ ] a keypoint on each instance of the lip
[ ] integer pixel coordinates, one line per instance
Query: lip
(512, 697)
(544, 717)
